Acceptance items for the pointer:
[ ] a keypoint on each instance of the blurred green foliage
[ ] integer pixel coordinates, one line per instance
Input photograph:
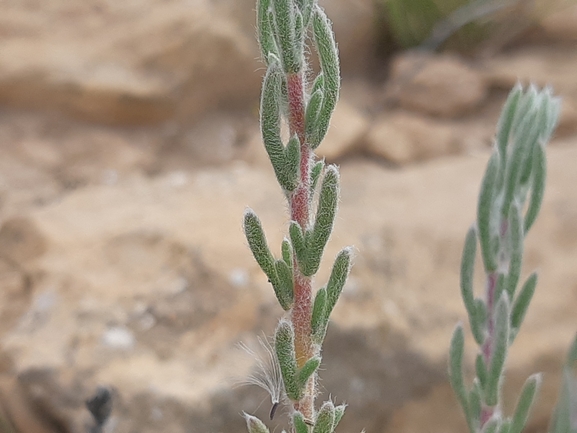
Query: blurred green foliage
(463, 24)
(412, 21)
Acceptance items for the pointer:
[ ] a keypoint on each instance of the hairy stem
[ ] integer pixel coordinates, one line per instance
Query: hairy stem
(299, 202)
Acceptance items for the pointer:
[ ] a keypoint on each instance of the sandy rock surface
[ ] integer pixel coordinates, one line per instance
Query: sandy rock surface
(438, 85)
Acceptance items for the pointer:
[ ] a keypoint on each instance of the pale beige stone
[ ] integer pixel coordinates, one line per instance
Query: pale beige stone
(402, 138)
(348, 126)
(441, 85)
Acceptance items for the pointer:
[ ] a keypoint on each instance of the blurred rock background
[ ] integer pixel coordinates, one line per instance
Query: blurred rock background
(129, 148)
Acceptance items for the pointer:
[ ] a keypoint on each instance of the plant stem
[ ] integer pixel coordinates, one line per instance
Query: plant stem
(299, 202)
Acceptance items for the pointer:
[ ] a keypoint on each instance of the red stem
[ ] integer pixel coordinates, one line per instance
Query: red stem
(487, 348)
(299, 202)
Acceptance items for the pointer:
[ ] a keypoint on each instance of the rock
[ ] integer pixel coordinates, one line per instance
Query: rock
(348, 126)
(560, 26)
(402, 138)
(122, 254)
(355, 31)
(439, 85)
(217, 138)
(539, 65)
(125, 65)
(21, 241)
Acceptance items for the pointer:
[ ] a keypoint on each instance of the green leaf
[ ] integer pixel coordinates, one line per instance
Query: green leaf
(307, 370)
(292, 163)
(499, 349)
(329, 61)
(572, 355)
(491, 426)
(499, 285)
(561, 422)
(516, 237)
(319, 316)
(538, 186)
(254, 424)
(258, 245)
(338, 278)
(506, 120)
(475, 400)
(318, 83)
(325, 418)
(265, 30)
(285, 352)
(478, 321)
(521, 304)
(284, 289)
(456, 372)
(481, 370)
(299, 423)
(287, 252)
(284, 18)
(307, 9)
(299, 244)
(270, 121)
(505, 426)
(485, 217)
(525, 403)
(312, 113)
(339, 412)
(524, 139)
(323, 226)
(316, 173)
(467, 270)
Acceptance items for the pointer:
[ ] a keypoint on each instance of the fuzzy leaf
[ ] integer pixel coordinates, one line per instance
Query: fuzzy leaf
(505, 426)
(285, 352)
(506, 120)
(307, 370)
(312, 112)
(478, 321)
(318, 83)
(481, 370)
(329, 60)
(485, 215)
(339, 412)
(287, 252)
(307, 9)
(525, 403)
(319, 316)
(284, 289)
(467, 269)
(254, 424)
(475, 399)
(538, 187)
(258, 245)
(284, 18)
(500, 285)
(338, 278)
(316, 173)
(521, 304)
(298, 241)
(325, 418)
(491, 426)
(270, 121)
(292, 162)
(456, 372)
(524, 139)
(516, 238)
(299, 423)
(265, 30)
(500, 346)
(323, 226)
